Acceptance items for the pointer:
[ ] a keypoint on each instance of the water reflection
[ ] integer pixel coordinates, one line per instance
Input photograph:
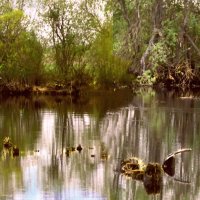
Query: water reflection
(109, 128)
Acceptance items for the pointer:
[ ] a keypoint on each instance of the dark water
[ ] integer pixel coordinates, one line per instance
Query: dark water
(109, 127)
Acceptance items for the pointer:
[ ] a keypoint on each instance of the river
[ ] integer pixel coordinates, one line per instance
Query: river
(110, 127)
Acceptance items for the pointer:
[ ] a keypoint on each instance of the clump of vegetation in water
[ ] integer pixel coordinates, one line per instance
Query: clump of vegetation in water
(151, 173)
(69, 150)
(133, 167)
(9, 148)
(7, 143)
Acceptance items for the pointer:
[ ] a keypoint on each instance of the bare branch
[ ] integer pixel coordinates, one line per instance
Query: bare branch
(148, 49)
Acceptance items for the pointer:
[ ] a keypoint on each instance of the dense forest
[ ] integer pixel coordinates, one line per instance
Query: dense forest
(100, 43)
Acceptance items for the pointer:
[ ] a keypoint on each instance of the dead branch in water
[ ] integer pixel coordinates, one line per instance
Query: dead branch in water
(178, 151)
(182, 150)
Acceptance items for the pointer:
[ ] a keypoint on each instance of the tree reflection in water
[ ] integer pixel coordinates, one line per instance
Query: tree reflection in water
(109, 128)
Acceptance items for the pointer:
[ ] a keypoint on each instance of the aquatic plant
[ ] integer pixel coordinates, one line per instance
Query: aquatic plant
(7, 142)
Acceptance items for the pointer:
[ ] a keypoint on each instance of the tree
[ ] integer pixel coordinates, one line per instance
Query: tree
(160, 40)
(61, 16)
(106, 67)
(20, 51)
(74, 26)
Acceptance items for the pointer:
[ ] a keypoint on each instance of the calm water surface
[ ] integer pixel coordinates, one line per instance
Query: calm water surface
(109, 127)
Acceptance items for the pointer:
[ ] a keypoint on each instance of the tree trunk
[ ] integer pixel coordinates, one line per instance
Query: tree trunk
(148, 49)
(157, 21)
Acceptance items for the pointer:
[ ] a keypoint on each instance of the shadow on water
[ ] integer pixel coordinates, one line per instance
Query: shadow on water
(71, 150)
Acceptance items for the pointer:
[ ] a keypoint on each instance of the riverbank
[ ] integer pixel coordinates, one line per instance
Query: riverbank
(75, 89)
(49, 89)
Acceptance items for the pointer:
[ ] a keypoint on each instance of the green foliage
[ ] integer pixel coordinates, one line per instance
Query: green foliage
(194, 22)
(163, 50)
(147, 78)
(69, 38)
(119, 30)
(21, 53)
(105, 67)
(30, 57)
(157, 35)
(170, 31)
(24, 62)
(159, 54)
(98, 40)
